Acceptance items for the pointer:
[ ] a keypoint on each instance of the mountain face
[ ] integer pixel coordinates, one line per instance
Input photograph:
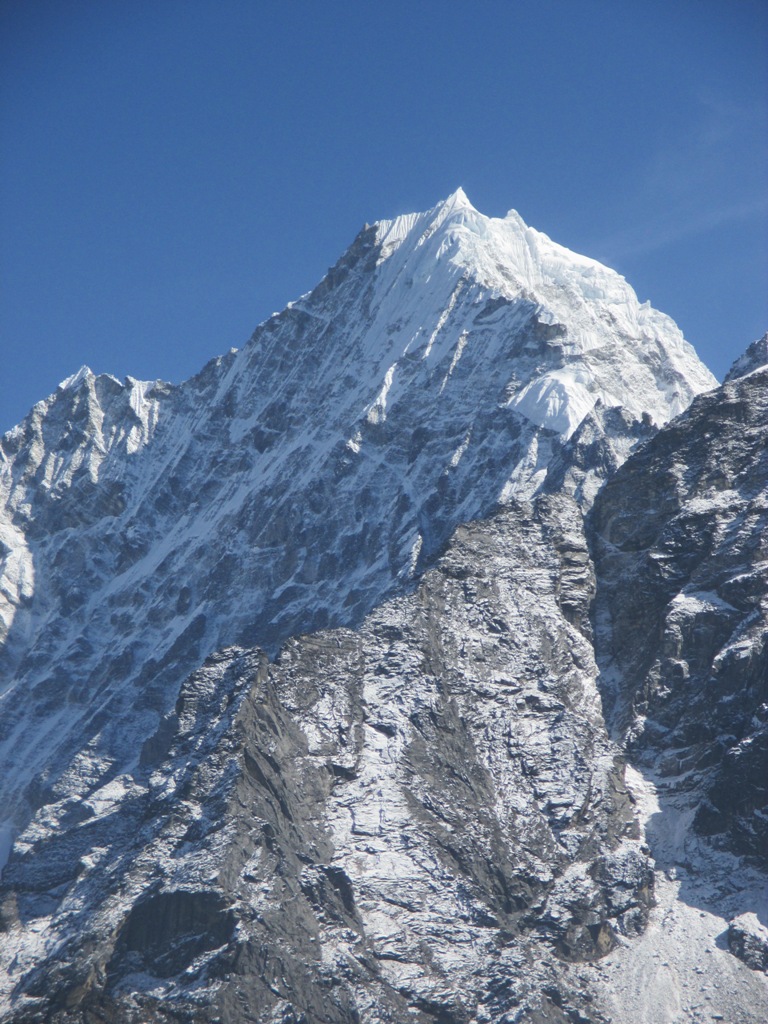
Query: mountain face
(682, 555)
(322, 669)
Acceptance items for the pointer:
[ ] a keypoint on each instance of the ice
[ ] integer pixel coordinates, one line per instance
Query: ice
(558, 401)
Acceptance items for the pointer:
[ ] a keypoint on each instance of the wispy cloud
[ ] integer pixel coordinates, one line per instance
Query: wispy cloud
(646, 238)
(714, 174)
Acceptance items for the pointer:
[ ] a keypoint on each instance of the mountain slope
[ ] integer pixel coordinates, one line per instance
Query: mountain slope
(384, 823)
(421, 817)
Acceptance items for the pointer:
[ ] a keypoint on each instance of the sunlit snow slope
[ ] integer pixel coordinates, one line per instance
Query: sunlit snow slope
(436, 371)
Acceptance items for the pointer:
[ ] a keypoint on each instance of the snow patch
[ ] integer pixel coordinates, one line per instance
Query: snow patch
(460, 346)
(457, 455)
(442, 319)
(415, 552)
(355, 443)
(377, 411)
(561, 399)
(690, 603)
(17, 574)
(679, 969)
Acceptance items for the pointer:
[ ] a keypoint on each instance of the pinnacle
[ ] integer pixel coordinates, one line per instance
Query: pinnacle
(457, 200)
(72, 382)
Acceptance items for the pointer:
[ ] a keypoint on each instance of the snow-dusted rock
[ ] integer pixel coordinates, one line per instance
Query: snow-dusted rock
(755, 358)
(682, 607)
(423, 816)
(748, 940)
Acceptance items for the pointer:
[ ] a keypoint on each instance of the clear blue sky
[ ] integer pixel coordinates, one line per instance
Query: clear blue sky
(173, 171)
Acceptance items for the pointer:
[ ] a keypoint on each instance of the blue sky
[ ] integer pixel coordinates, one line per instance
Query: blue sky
(173, 171)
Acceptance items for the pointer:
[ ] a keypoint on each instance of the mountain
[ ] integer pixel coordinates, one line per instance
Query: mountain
(436, 370)
(320, 668)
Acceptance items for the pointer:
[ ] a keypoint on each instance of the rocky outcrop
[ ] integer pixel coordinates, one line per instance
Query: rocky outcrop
(748, 940)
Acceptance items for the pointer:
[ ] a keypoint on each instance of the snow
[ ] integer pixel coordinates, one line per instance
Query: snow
(458, 454)
(559, 400)
(17, 574)
(415, 552)
(377, 412)
(460, 345)
(441, 322)
(694, 602)
(679, 971)
(511, 259)
(107, 798)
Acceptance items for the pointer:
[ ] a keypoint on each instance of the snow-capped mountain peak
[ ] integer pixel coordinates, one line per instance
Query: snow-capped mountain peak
(440, 367)
(610, 347)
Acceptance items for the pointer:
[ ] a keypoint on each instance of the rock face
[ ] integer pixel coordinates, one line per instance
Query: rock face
(755, 358)
(419, 817)
(682, 607)
(308, 661)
